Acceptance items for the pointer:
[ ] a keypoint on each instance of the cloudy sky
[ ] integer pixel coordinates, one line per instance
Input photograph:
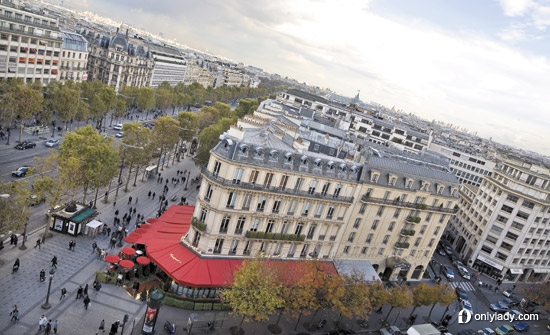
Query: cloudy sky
(480, 64)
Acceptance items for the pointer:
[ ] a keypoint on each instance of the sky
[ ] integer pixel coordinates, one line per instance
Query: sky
(479, 64)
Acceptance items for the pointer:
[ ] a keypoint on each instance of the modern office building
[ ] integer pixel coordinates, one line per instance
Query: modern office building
(502, 227)
(30, 44)
(74, 57)
(469, 168)
(265, 196)
(169, 65)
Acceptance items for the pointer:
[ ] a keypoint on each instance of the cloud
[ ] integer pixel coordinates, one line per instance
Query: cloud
(515, 7)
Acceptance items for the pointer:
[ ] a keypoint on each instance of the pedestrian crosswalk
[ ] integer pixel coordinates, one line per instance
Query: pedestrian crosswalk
(466, 286)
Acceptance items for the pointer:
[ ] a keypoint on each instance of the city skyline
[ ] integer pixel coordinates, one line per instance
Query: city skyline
(439, 61)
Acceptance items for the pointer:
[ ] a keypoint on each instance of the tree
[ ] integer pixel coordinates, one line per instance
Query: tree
(224, 109)
(246, 106)
(446, 296)
(14, 206)
(87, 160)
(401, 297)
(356, 299)
(378, 297)
(66, 101)
(24, 102)
(163, 98)
(208, 139)
(424, 295)
(539, 293)
(254, 294)
(146, 98)
(120, 108)
(207, 117)
(135, 137)
(165, 134)
(188, 120)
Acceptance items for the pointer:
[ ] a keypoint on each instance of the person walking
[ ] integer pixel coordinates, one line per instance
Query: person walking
(79, 292)
(135, 288)
(137, 199)
(15, 266)
(116, 212)
(97, 288)
(74, 244)
(48, 328)
(14, 314)
(130, 200)
(86, 290)
(55, 325)
(54, 262)
(149, 194)
(42, 322)
(38, 244)
(154, 195)
(86, 302)
(102, 327)
(63, 293)
(94, 247)
(114, 328)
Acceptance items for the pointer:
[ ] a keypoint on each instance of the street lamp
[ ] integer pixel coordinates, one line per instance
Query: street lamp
(47, 305)
(187, 180)
(122, 165)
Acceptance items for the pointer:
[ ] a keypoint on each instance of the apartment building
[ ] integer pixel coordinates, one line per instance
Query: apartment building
(169, 65)
(74, 57)
(469, 168)
(30, 44)
(502, 227)
(119, 60)
(230, 76)
(263, 196)
(200, 71)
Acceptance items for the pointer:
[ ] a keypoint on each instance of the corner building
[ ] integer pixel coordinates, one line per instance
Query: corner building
(265, 196)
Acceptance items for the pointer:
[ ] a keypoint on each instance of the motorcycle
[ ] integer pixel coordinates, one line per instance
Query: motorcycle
(321, 324)
(170, 328)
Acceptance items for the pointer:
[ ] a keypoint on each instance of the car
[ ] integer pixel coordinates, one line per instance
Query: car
(464, 273)
(20, 172)
(449, 273)
(467, 306)
(51, 143)
(507, 294)
(119, 135)
(448, 250)
(486, 331)
(510, 302)
(391, 330)
(25, 145)
(521, 326)
(441, 252)
(118, 127)
(514, 313)
(499, 308)
(467, 332)
(504, 330)
(461, 294)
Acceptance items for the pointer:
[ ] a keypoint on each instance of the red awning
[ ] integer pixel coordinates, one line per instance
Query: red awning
(143, 260)
(131, 239)
(129, 251)
(112, 259)
(127, 264)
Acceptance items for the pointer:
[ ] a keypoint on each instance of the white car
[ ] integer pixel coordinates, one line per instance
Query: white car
(51, 143)
(507, 294)
(449, 273)
(467, 306)
(464, 272)
(119, 135)
(118, 127)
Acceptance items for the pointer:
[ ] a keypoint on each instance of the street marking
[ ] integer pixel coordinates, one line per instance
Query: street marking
(466, 286)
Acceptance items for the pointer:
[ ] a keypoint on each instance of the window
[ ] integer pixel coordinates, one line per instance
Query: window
(431, 243)
(291, 207)
(385, 240)
(208, 194)
(261, 204)
(240, 225)
(528, 204)
(312, 187)
(522, 215)
(319, 210)
(276, 206)
(299, 228)
(369, 238)
(284, 228)
(202, 218)
(496, 230)
(247, 201)
(311, 231)
(217, 166)
(225, 224)
(417, 242)
(337, 191)
(253, 176)
(423, 229)
(381, 251)
(442, 218)
(269, 227)
(233, 248)
(298, 185)
(268, 179)
(291, 250)
(325, 189)
(357, 223)
(218, 246)
(362, 209)
(255, 225)
(512, 198)
(364, 250)
(278, 248)
(396, 213)
(346, 249)
(390, 227)
(507, 209)
(512, 236)
(516, 225)
(374, 224)
(238, 176)
(305, 211)
(380, 211)
(330, 211)
(502, 219)
(284, 180)
(231, 200)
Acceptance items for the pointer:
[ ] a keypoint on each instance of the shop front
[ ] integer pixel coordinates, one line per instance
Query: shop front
(488, 266)
(71, 219)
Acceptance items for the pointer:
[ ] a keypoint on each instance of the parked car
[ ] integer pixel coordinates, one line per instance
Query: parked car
(51, 143)
(467, 332)
(448, 250)
(510, 302)
(521, 326)
(514, 313)
(449, 273)
(391, 330)
(118, 127)
(486, 331)
(441, 252)
(504, 330)
(119, 135)
(467, 306)
(25, 145)
(464, 273)
(507, 294)
(457, 263)
(20, 172)
(499, 308)
(461, 294)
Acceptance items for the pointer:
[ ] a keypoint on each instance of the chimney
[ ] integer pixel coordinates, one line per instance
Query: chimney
(126, 32)
(117, 29)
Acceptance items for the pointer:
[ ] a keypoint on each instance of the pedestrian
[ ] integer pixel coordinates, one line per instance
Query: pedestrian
(15, 266)
(135, 288)
(102, 327)
(48, 328)
(86, 302)
(74, 244)
(70, 244)
(137, 199)
(184, 200)
(79, 292)
(37, 244)
(166, 203)
(54, 262)
(153, 195)
(114, 203)
(134, 211)
(14, 314)
(130, 200)
(86, 290)
(116, 212)
(42, 275)
(149, 194)
(114, 328)
(42, 322)
(63, 293)
(94, 247)
(161, 178)
(97, 288)
(55, 327)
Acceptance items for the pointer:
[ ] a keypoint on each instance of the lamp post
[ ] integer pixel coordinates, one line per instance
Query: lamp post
(122, 165)
(47, 305)
(187, 179)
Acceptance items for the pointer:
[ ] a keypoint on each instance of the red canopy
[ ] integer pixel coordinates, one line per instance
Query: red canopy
(129, 251)
(141, 230)
(127, 264)
(112, 259)
(143, 260)
(145, 226)
(131, 239)
(151, 220)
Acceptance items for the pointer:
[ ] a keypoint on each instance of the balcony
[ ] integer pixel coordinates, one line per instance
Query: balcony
(440, 209)
(413, 219)
(408, 232)
(229, 183)
(200, 226)
(402, 245)
(273, 236)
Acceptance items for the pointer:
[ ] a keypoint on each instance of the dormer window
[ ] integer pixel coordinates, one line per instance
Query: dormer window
(303, 161)
(259, 152)
(342, 167)
(244, 149)
(374, 175)
(273, 155)
(408, 183)
(440, 188)
(425, 185)
(288, 158)
(354, 169)
(317, 163)
(392, 179)
(227, 143)
(330, 166)
(454, 191)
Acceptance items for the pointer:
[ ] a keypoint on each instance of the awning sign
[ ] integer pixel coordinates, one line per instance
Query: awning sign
(516, 271)
(490, 262)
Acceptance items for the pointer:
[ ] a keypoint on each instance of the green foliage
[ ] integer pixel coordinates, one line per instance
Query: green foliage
(207, 117)
(208, 138)
(424, 295)
(146, 98)
(188, 120)
(14, 206)
(224, 109)
(401, 297)
(246, 106)
(65, 100)
(165, 134)
(22, 101)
